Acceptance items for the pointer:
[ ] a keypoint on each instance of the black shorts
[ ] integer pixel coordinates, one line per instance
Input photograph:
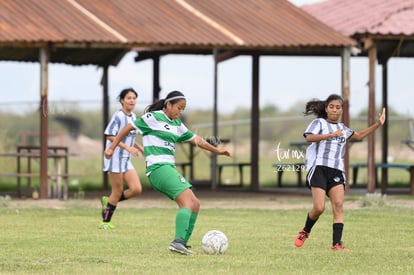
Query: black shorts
(325, 177)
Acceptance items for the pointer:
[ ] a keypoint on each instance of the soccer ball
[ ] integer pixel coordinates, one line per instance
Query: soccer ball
(214, 242)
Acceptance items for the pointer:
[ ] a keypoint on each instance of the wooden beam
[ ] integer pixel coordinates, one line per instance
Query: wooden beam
(223, 56)
(105, 116)
(345, 61)
(255, 129)
(384, 128)
(372, 54)
(44, 57)
(213, 157)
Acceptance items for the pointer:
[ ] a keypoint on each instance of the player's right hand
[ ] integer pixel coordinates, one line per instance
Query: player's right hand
(108, 153)
(134, 151)
(337, 133)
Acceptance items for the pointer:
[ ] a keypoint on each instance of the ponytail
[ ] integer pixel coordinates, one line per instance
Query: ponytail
(158, 105)
(318, 107)
(172, 97)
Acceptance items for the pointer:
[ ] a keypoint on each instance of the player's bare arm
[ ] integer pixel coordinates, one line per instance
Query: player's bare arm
(135, 151)
(202, 143)
(317, 138)
(139, 147)
(109, 152)
(362, 134)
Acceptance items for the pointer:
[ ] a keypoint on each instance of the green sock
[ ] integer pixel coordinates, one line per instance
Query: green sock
(182, 221)
(193, 220)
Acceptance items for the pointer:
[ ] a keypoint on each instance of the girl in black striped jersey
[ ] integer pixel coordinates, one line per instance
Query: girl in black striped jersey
(324, 159)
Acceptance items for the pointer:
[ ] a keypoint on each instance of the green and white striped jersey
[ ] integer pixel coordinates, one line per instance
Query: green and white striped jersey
(159, 135)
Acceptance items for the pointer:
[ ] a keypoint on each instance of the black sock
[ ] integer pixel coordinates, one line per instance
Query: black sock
(110, 209)
(122, 198)
(337, 233)
(309, 224)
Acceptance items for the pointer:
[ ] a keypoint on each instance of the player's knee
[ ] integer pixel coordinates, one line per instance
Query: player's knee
(136, 190)
(337, 206)
(318, 210)
(196, 205)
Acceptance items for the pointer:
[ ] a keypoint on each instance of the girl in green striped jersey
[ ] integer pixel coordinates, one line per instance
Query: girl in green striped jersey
(161, 128)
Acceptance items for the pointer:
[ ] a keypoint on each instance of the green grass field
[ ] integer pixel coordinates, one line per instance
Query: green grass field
(62, 238)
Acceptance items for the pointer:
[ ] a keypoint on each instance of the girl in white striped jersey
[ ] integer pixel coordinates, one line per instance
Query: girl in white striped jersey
(324, 160)
(119, 167)
(161, 128)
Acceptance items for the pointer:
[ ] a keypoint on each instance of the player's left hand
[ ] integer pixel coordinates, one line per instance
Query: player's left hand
(224, 152)
(381, 118)
(108, 153)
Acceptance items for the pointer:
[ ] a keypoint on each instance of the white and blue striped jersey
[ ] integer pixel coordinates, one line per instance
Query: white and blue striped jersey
(118, 121)
(328, 152)
(159, 135)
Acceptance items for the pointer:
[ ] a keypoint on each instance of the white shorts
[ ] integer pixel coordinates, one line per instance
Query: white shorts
(117, 165)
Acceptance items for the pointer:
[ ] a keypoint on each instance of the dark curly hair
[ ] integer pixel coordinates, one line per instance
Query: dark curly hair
(318, 107)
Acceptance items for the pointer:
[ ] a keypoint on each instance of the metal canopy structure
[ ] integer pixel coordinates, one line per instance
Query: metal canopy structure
(384, 29)
(84, 32)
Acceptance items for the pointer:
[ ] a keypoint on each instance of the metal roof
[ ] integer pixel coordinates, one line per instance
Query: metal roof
(387, 22)
(351, 17)
(101, 32)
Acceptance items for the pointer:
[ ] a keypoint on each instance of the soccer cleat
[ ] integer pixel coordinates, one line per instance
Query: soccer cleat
(104, 202)
(179, 246)
(301, 238)
(339, 247)
(106, 225)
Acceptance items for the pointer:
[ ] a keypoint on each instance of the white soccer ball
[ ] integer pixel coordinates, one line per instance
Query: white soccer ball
(214, 242)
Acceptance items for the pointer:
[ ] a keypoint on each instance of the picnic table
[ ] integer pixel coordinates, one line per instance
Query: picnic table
(58, 175)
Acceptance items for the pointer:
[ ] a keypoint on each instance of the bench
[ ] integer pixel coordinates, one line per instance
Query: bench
(410, 168)
(355, 168)
(58, 188)
(297, 167)
(59, 173)
(240, 166)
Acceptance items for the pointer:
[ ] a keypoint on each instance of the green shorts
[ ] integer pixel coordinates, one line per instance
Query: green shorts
(167, 180)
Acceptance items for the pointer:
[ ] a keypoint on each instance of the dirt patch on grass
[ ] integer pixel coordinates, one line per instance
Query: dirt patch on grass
(208, 199)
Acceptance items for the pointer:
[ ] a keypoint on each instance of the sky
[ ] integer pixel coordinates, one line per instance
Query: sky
(284, 82)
